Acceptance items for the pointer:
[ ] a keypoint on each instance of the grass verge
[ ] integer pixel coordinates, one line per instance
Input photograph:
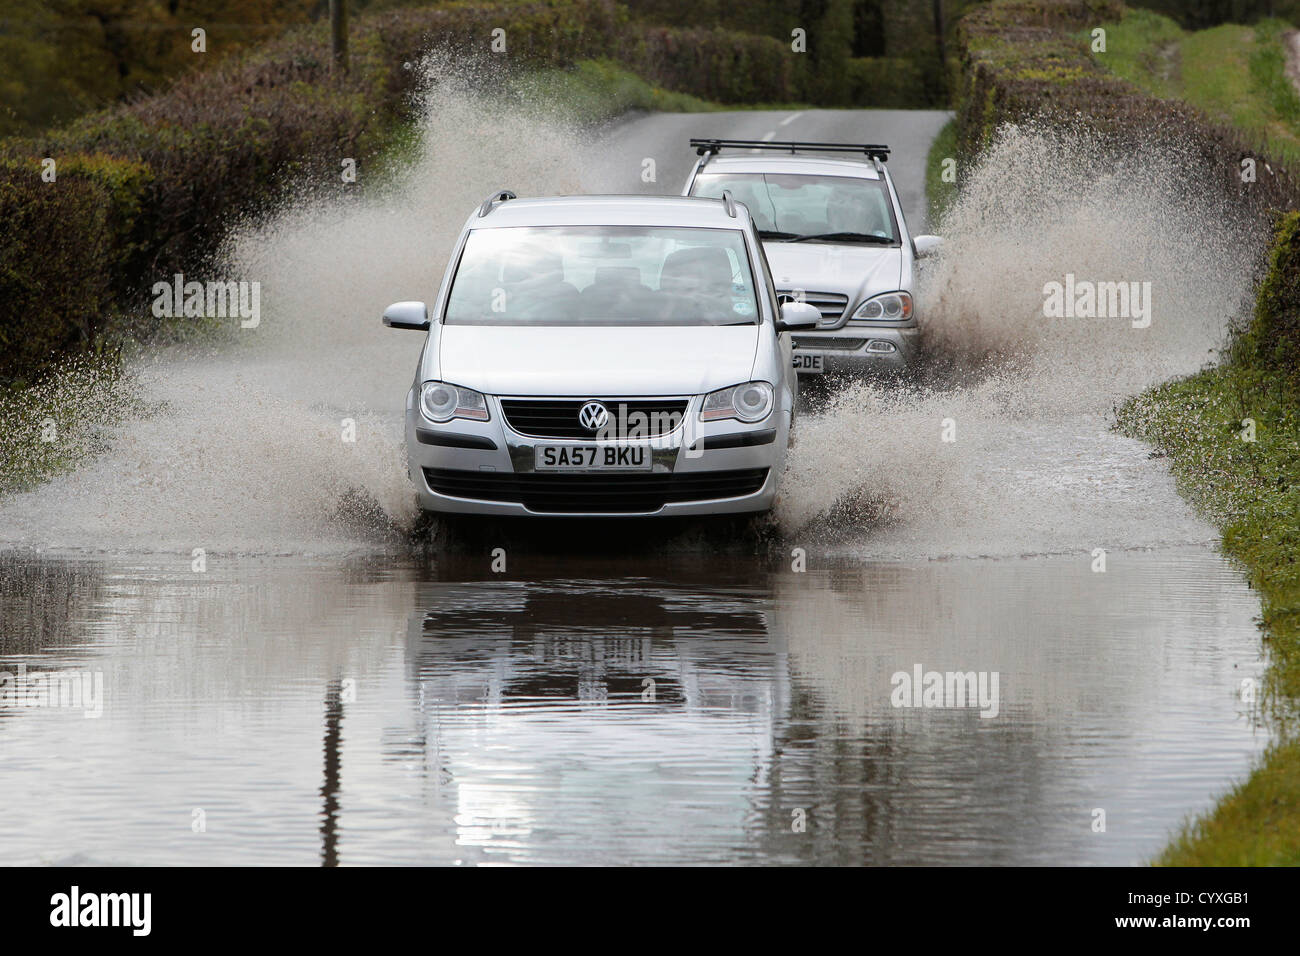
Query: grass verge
(1233, 441)
(1234, 74)
(1224, 93)
(64, 417)
(940, 194)
(1252, 491)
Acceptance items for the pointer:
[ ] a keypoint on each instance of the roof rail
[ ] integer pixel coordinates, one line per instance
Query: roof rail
(728, 203)
(705, 147)
(500, 196)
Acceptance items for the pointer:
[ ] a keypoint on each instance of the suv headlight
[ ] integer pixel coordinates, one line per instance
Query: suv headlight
(890, 307)
(751, 402)
(441, 402)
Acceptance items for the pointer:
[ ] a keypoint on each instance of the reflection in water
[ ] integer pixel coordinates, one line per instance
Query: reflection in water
(679, 709)
(329, 831)
(39, 599)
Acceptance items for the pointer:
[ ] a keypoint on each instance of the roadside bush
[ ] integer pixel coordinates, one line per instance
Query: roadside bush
(718, 64)
(1199, 14)
(1028, 59)
(222, 141)
(1271, 343)
(56, 251)
(220, 147)
(887, 83)
(145, 189)
(148, 188)
(124, 184)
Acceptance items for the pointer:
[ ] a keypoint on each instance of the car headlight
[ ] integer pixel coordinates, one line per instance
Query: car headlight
(441, 402)
(890, 307)
(751, 402)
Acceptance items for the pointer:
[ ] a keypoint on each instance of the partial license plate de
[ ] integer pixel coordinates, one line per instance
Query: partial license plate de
(809, 363)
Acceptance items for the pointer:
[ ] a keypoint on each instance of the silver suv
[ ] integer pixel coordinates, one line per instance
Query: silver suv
(836, 238)
(602, 355)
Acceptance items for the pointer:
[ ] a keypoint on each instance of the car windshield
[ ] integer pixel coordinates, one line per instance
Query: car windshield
(602, 275)
(791, 207)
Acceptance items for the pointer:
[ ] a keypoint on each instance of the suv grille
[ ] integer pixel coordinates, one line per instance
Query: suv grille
(830, 304)
(828, 343)
(558, 417)
(608, 493)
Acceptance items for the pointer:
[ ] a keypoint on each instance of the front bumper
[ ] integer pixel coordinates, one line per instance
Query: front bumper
(848, 350)
(701, 468)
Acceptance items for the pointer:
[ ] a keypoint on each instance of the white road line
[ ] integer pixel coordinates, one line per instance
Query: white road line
(791, 118)
(767, 138)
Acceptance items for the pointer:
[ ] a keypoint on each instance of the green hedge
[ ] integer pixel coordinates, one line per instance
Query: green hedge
(1029, 60)
(146, 189)
(221, 141)
(1271, 344)
(889, 83)
(155, 183)
(56, 252)
(717, 64)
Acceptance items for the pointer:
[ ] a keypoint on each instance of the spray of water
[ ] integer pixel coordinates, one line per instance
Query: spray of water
(1023, 399)
(245, 448)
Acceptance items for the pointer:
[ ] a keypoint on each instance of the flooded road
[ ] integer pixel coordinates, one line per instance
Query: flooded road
(679, 709)
(287, 669)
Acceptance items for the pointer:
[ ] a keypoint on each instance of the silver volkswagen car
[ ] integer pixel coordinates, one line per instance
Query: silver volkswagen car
(602, 355)
(834, 231)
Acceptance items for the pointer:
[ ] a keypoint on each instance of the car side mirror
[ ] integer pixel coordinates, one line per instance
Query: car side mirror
(797, 315)
(927, 246)
(407, 315)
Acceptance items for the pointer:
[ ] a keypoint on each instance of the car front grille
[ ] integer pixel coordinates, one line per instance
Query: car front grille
(833, 343)
(830, 304)
(558, 417)
(603, 493)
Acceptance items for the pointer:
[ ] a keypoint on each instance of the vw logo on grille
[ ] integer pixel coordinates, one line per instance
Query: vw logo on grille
(593, 416)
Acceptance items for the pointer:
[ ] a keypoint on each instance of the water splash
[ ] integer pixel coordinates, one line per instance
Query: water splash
(1031, 466)
(245, 452)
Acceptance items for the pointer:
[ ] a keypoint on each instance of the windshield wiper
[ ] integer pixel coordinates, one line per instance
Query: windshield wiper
(847, 237)
(773, 234)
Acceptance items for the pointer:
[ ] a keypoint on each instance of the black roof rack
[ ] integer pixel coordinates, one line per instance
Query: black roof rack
(873, 150)
(500, 196)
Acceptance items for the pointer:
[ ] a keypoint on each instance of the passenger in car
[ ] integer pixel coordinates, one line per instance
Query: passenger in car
(618, 293)
(849, 210)
(697, 283)
(534, 285)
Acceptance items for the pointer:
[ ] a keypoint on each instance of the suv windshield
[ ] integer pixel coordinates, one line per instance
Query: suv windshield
(602, 275)
(790, 207)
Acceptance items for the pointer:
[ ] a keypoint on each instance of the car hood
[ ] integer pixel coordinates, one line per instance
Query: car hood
(595, 360)
(855, 271)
